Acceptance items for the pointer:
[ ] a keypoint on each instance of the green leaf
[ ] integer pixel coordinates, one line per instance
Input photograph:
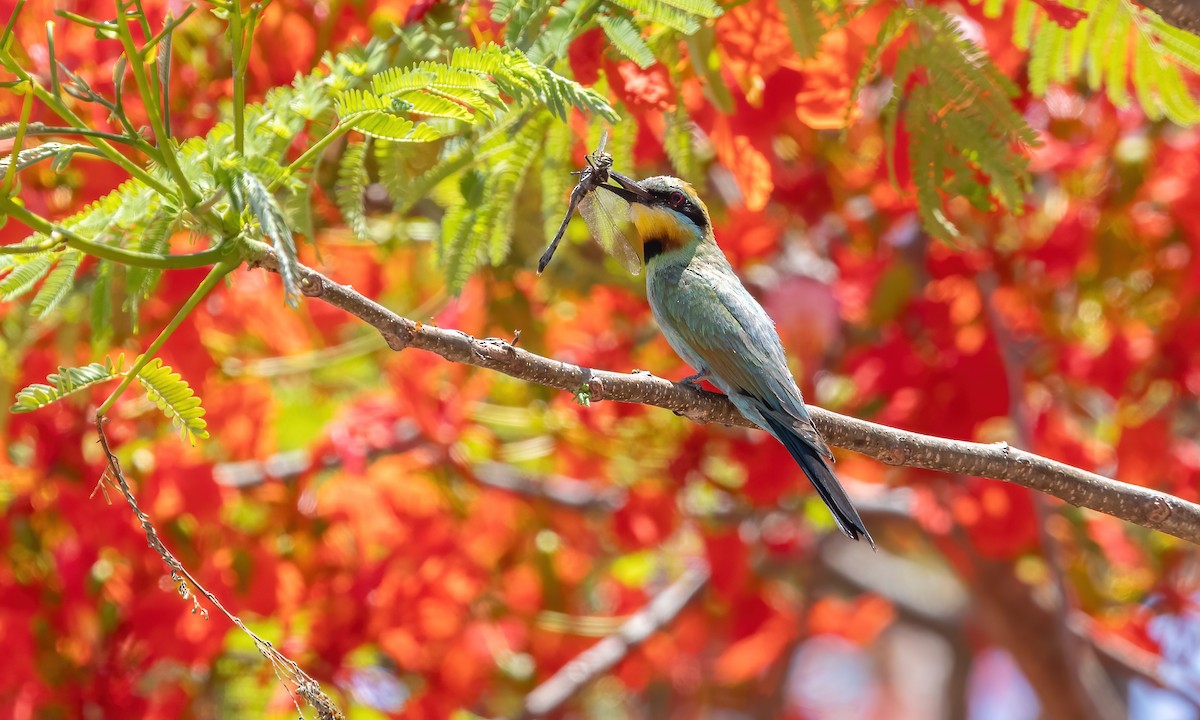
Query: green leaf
(380, 118)
(251, 196)
(627, 39)
(662, 13)
(59, 153)
(140, 281)
(57, 286)
(960, 123)
(101, 305)
(65, 382)
(351, 187)
(804, 24)
(175, 398)
(25, 275)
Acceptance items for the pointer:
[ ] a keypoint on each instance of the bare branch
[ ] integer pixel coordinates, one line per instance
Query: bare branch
(1183, 14)
(604, 655)
(1141, 506)
(291, 676)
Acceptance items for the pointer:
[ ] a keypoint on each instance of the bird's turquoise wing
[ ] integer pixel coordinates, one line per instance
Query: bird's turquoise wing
(718, 322)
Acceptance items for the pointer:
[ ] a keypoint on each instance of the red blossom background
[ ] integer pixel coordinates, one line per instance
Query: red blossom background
(395, 575)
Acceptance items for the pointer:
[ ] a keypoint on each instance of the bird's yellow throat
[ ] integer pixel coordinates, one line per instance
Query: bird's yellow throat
(658, 224)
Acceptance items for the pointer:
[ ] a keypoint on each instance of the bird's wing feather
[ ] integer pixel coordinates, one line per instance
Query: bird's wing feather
(723, 326)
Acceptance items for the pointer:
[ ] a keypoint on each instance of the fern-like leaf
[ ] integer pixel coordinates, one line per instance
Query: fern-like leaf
(140, 281)
(57, 286)
(381, 118)
(59, 153)
(175, 398)
(351, 186)
(65, 382)
(960, 124)
(682, 15)
(805, 25)
(1116, 46)
(504, 182)
(26, 274)
(250, 197)
(626, 38)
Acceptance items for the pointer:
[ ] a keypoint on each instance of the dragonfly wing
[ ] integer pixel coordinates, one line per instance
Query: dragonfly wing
(607, 217)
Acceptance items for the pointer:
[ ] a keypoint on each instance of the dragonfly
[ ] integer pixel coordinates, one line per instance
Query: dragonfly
(604, 213)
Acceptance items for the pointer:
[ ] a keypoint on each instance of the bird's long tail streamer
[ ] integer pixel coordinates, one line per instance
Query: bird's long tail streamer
(823, 479)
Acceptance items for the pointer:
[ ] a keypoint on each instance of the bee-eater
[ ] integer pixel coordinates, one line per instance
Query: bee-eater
(715, 325)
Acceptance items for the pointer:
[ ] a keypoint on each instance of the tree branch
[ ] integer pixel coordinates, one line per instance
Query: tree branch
(1183, 14)
(604, 655)
(1141, 506)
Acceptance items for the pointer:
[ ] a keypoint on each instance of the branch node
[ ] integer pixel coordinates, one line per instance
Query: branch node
(400, 336)
(893, 456)
(312, 285)
(1160, 510)
(595, 388)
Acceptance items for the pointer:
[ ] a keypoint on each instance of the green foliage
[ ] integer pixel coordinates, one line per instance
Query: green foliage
(60, 153)
(58, 284)
(805, 24)
(175, 398)
(1115, 45)
(681, 15)
(66, 381)
(893, 26)
(556, 181)
(480, 222)
(467, 90)
(25, 273)
(960, 124)
(351, 186)
(251, 198)
(155, 240)
(626, 38)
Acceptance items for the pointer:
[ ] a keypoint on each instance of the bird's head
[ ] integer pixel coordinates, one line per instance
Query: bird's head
(666, 211)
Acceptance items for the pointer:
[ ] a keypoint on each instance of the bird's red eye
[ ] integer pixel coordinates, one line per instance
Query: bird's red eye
(676, 199)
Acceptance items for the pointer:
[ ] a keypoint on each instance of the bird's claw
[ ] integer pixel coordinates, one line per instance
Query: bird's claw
(693, 381)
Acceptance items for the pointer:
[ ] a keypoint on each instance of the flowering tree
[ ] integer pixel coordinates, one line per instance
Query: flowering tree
(974, 225)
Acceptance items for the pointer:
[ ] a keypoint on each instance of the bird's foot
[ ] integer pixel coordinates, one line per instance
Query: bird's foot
(693, 381)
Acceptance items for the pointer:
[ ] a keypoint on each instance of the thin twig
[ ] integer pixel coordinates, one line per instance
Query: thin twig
(1141, 506)
(290, 674)
(604, 655)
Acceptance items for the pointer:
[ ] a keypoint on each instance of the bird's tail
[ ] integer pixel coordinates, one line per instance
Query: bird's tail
(822, 478)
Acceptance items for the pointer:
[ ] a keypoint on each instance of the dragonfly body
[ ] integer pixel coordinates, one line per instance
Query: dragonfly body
(603, 212)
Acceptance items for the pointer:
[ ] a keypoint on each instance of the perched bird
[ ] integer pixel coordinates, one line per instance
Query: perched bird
(715, 325)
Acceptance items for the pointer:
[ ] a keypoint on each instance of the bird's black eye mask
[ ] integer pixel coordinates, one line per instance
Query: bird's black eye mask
(634, 192)
(678, 202)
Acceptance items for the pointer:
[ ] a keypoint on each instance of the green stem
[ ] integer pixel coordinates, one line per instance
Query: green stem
(150, 101)
(60, 108)
(313, 150)
(40, 130)
(107, 252)
(222, 269)
(10, 177)
(168, 27)
(239, 80)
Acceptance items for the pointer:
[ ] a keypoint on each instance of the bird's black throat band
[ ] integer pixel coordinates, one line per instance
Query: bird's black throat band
(652, 249)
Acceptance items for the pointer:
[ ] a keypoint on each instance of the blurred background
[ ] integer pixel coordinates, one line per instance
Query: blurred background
(428, 539)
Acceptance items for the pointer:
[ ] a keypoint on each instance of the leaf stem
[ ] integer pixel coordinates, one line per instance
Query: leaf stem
(10, 177)
(150, 101)
(219, 271)
(10, 207)
(313, 150)
(39, 130)
(168, 27)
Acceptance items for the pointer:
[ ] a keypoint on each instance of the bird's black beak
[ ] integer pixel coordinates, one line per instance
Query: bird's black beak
(630, 190)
